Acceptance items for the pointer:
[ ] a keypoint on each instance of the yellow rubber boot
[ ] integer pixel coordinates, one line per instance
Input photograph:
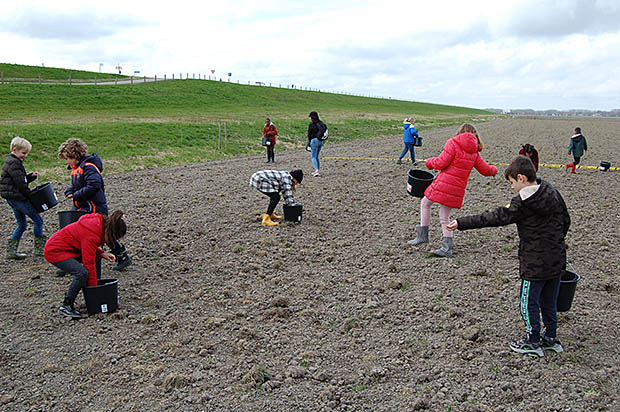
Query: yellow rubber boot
(275, 217)
(267, 220)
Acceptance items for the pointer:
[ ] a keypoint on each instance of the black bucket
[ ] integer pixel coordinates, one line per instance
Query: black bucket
(69, 216)
(293, 213)
(418, 181)
(568, 284)
(102, 298)
(605, 166)
(43, 197)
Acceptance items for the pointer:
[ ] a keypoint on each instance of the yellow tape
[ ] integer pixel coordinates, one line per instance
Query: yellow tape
(491, 163)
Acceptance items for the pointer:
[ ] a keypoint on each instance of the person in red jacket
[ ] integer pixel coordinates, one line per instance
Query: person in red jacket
(528, 150)
(76, 249)
(270, 132)
(459, 156)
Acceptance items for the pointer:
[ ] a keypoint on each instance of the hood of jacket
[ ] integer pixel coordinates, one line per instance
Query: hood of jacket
(94, 159)
(92, 222)
(577, 137)
(544, 202)
(467, 141)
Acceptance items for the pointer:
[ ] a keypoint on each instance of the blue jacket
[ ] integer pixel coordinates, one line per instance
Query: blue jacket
(87, 186)
(409, 132)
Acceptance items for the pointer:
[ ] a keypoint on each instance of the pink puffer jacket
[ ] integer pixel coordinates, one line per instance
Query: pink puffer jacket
(459, 156)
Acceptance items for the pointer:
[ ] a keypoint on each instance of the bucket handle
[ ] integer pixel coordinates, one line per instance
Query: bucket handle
(572, 267)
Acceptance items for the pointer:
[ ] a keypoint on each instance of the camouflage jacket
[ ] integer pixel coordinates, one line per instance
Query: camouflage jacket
(542, 222)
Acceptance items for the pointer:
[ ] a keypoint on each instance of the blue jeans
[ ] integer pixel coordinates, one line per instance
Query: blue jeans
(21, 209)
(408, 148)
(316, 144)
(540, 297)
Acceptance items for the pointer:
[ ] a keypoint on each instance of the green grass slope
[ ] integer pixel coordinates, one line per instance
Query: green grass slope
(140, 125)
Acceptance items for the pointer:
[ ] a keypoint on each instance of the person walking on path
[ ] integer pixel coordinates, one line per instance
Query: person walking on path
(316, 130)
(578, 146)
(14, 189)
(459, 156)
(273, 182)
(409, 135)
(270, 132)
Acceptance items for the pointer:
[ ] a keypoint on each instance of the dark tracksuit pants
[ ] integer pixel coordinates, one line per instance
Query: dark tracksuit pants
(539, 297)
(80, 277)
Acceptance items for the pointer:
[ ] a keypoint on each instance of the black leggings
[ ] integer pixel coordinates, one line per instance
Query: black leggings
(577, 160)
(274, 199)
(271, 153)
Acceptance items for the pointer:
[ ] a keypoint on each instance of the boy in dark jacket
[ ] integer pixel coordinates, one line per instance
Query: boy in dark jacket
(87, 189)
(542, 222)
(14, 188)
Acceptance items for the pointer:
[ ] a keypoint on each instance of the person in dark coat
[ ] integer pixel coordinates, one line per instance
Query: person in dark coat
(316, 128)
(87, 189)
(14, 189)
(578, 146)
(542, 221)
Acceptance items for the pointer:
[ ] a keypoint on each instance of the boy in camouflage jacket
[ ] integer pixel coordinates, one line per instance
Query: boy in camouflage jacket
(542, 223)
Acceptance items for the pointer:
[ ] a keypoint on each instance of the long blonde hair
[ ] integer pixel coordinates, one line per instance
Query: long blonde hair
(468, 128)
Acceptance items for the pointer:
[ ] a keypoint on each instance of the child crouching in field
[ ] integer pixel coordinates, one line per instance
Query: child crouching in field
(271, 183)
(542, 222)
(14, 188)
(76, 249)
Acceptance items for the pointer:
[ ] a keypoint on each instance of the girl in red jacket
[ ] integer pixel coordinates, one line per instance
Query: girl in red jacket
(270, 132)
(76, 249)
(459, 156)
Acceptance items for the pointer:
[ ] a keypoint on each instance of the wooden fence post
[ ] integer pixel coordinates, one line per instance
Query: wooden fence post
(95, 80)
(172, 76)
(39, 78)
(2, 75)
(115, 80)
(144, 79)
(225, 137)
(164, 77)
(219, 135)
(131, 79)
(155, 78)
(69, 79)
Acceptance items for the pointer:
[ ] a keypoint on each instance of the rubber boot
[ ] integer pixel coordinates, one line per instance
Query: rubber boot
(573, 169)
(275, 217)
(569, 165)
(122, 261)
(267, 220)
(39, 245)
(446, 248)
(422, 236)
(11, 250)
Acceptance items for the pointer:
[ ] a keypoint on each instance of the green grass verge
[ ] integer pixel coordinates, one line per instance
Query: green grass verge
(148, 125)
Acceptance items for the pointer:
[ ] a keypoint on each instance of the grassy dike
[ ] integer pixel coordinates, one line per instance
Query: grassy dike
(147, 125)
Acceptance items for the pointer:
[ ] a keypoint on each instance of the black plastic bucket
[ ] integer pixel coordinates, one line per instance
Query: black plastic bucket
(43, 197)
(102, 298)
(67, 217)
(417, 141)
(418, 181)
(568, 284)
(605, 166)
(293, 213)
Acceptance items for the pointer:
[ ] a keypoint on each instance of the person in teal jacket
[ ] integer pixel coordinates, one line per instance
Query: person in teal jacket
(409, 135)
(577, 147)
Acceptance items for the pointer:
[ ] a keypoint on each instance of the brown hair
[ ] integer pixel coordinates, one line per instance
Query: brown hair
(72, 148)
(521, 165)
(114, 227)
(468, 128)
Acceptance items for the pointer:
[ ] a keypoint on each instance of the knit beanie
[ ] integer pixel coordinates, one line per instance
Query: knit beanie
(298, 175)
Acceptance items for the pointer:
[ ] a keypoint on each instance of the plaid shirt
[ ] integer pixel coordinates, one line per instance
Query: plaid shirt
(271, 181)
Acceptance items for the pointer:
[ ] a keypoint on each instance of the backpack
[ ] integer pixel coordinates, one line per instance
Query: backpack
(323, 131)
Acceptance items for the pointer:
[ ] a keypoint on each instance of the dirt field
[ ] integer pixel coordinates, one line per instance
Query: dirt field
(336, 313)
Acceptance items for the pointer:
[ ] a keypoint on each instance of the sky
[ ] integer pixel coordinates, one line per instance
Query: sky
(529, 54)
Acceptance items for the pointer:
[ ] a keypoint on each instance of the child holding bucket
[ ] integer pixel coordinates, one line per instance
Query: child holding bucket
(76, 249)
(459, 156)
(409, 135)
(542, 223)
(87, 189)
(14, 188)
(271, 183)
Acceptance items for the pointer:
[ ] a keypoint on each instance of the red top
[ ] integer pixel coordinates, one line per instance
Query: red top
(82, 238)
(533, 157)
(270, 131)
(459, 156)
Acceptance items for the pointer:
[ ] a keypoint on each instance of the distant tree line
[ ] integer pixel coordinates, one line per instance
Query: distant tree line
(559, 113)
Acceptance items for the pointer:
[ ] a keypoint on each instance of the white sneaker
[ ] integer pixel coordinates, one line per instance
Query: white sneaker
(316, 173)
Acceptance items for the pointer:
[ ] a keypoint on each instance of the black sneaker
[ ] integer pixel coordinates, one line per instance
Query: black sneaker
(551, 344)
(68, 311)
(399, 162)
(60, 273)
(122, 262)
(527, 348)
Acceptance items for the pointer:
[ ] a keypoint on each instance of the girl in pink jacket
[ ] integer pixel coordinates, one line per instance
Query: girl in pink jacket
(459, 156)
